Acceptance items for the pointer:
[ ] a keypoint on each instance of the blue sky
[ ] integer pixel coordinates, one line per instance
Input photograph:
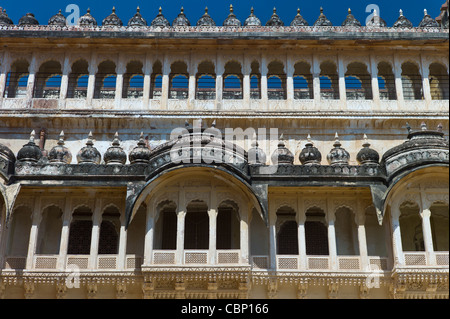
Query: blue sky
(336, 11)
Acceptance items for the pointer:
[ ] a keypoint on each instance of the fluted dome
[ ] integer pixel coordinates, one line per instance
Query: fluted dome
(282, 155)
(402, 22)
(205, 20)
(376, 21)
(160, 20)
(274, 20)
(30, 152)
(141, 153)
(338, 155)
(351, 21)
(428, 21)
(87, 20)
(231, 20)
(137, 20)
(252, 20)
(310, 155)
(89, 154)
(299, 21)
(4, 19)
(60, 153)
(112, 20)
(28, 19)
(58, 20)
(322, 21)
(367, 155)
(6, 153)
(181, 20)
(256, 156)
(115, 154)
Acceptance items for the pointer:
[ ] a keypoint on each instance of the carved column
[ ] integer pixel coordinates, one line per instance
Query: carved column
(181, 215)
(427, 236)
(246, 69)
(36, 220)
(398, 81)
(31, 79)
(165, 83)
(342, 87)
(316, 80)
(120, 69)
(65, 79)
(219, 82)
(122, 256)
(91, 81)
(425, 82)
(375, 86)
(331, 217)
(3, 236)
(362, 240)
(149, 236)
(399, 257)
(212, 213)
(301, 218)
(272, 239)
(264, 96)
(95, 237)
(67, 219)
(289, 81)
(4, 73)
(192, 82)
(147, 81)
(244, 210)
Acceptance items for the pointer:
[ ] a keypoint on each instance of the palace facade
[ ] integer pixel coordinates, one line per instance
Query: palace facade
(248, 160)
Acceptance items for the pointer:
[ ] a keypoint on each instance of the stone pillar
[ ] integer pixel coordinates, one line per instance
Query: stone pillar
(264, 95)
(165, 83)
(65, 79)
(428, 237)
(272, 240)
(93, 67)
(342, 87)
(399, 257)
(36, 220)
(316, 80)
(181, 216)
(332, 248)
(149, 236)
(64, 244)
(4, 73)
(212, 213)
(31, 79)
(219, 82)
(122, 254)
(289, 82)
(360, 218)
(120, 70)
(426, 82)
(147, 81)
(246, 70)
(375, 86)
(3, 238)
(301, 218)
(398, 81)
(95, 237)
(244, 237)
(192, 82)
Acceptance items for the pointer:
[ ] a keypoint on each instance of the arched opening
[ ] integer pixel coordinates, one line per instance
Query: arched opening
(196, 232)
(78, 80)
(232, 81)
(386, 82)
(303, 87)
(166, 226)
(156, 81)
(358, 82)
(80, 232)
(17, 80)
(411, 227)
(19, 236)
(49, 234)
(48, 81)
(439, 84)
(105, 81)
(316, 232)
(179, 81)
(255, 81)
(206, 81)
(276, 81)
(133, 81)
(411, 82)
(439, 226)
(108, 243)
(346, 232)
(228, 230)
(329, 81)
(287, 232)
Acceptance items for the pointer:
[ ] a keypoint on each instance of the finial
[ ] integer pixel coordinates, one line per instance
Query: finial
(231, 8)
(298, 11)
(114, 10)
(213, 124)
(423, 126)
(252, 10)
(61, 138)
(439, 127)
(375, 13)
(366, 141)
(321, 10)
(425, 12)
(408, 127)
(274, 10)
(138, 9)
(59, 11)
(90, 137)
(349, 11)
(116, 139)
(32, 136)
(336, 140)
(309, 138)
(89, 10)
(206, 10)
(401, 12)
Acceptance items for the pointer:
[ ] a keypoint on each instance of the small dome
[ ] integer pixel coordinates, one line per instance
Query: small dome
(367, 155)
(160, 20)
(140, 154)
(4, 19)
(231, 20)
(299, 21)
(137, 20)
(376, 21)
(428, 21)
(252, 20)
(112, 20)
(310, 155)
(351, 21)
(30, 152)
(87, 20)
(28, 19)
(322, 21)
(274, 20)
(58, 20)
(60, 153)
(402, 22)
(181, 20)
(89, 154)
(256, 156)
(7, 154)
(338, 155)
(205, 20)
(282, 155)
(115, 154)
